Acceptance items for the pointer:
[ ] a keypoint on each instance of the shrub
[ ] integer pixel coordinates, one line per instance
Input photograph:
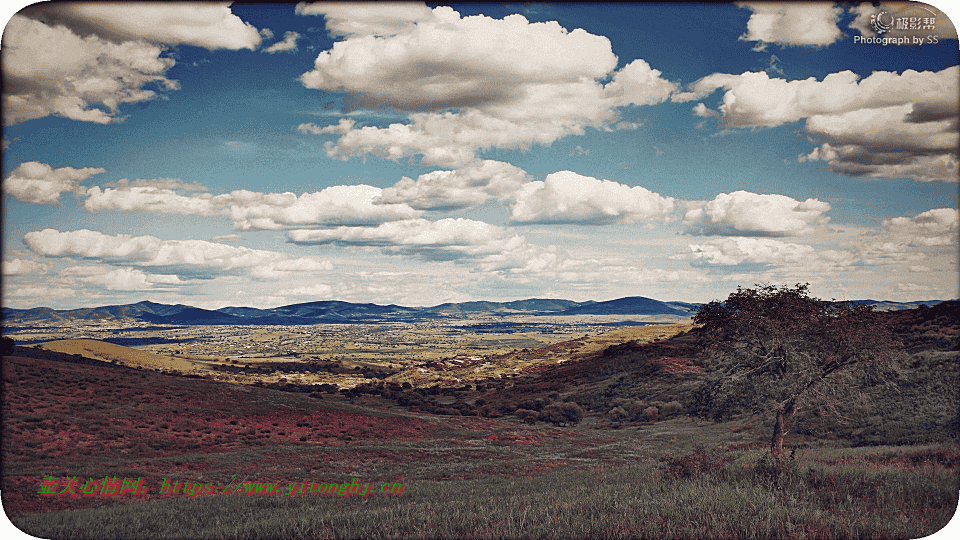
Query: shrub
(617, 414)
(671, 408)
(651, 413)
(527, 415)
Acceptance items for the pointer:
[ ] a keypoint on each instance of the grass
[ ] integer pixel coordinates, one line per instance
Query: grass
(742, 498)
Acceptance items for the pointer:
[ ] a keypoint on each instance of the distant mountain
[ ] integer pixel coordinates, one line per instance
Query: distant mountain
(333, 311)
(632, 305)
(887, 305)
(530, 306)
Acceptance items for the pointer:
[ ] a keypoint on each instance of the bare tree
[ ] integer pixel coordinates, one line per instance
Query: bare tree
(778, 350)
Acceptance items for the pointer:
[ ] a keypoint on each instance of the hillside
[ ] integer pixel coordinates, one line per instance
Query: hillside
(108, 352)
(608, 426)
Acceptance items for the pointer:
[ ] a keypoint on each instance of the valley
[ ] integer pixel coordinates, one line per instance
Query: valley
(448, 351)
(588, 425)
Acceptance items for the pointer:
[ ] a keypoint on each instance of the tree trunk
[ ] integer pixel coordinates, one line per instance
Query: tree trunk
(784, 416)
(776, 444)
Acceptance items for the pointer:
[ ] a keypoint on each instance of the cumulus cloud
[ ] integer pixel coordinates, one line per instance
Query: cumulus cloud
(210, 25)
(76, 59)
(18, 266)
(513, 83)
(703, 111)
(936, 227)
(742, 213)
(49, 70)
(289, 43)
(793, 23)
(854, 160)
(39, 183)
(488, 247)
(567, 197)
(148, 199)
(333, 206)
(734, 251)
(336, 205)
(884, 125)
(192, 257)
(454, 189)
(120, 279)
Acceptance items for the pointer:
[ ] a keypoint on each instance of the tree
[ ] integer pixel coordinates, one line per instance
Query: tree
(776, 349)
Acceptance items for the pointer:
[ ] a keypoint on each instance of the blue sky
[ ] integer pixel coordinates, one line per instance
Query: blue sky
(262, 155)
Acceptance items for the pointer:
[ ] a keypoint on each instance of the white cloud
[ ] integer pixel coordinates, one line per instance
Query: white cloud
(182, 257)
(14, 267)
(793, 23)
(487, 246)
(39, 183)
(734, 251)
(336, 205)
(289, 267)
(148, 199)
(42, 291)
(210, 25)
(513, 83)
(742, 213)
(887, 124)
(158, 183)
(936, 227)
(930, 237)
(120, 279)
(450, 190)
(49, 70)
(703, 111)
(567, 197)
(289, 43)
(332, 206)
(342, 127)
(320, 290)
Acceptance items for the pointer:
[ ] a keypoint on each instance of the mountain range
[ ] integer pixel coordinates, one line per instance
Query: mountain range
(333, 311)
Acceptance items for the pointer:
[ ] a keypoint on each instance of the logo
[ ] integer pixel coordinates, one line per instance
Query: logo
(881, 22)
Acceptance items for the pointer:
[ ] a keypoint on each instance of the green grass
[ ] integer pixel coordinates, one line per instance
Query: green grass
(710, 494)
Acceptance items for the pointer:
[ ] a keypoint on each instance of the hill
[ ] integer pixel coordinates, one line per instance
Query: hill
(108, 352)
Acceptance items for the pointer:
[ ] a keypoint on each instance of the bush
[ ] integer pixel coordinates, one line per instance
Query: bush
(651, 413)
(617, 414)
(671, 408)
(562, 413)
(527, 415)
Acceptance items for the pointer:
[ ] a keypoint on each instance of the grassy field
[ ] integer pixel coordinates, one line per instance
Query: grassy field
(463, 476)
(884, 493)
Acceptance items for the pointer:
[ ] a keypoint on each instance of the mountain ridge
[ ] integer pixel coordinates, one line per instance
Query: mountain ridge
(336, 311)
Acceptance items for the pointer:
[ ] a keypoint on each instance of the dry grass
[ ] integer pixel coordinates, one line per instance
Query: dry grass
(108, 352)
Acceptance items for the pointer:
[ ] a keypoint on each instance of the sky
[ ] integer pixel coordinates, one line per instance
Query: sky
(263, 155)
